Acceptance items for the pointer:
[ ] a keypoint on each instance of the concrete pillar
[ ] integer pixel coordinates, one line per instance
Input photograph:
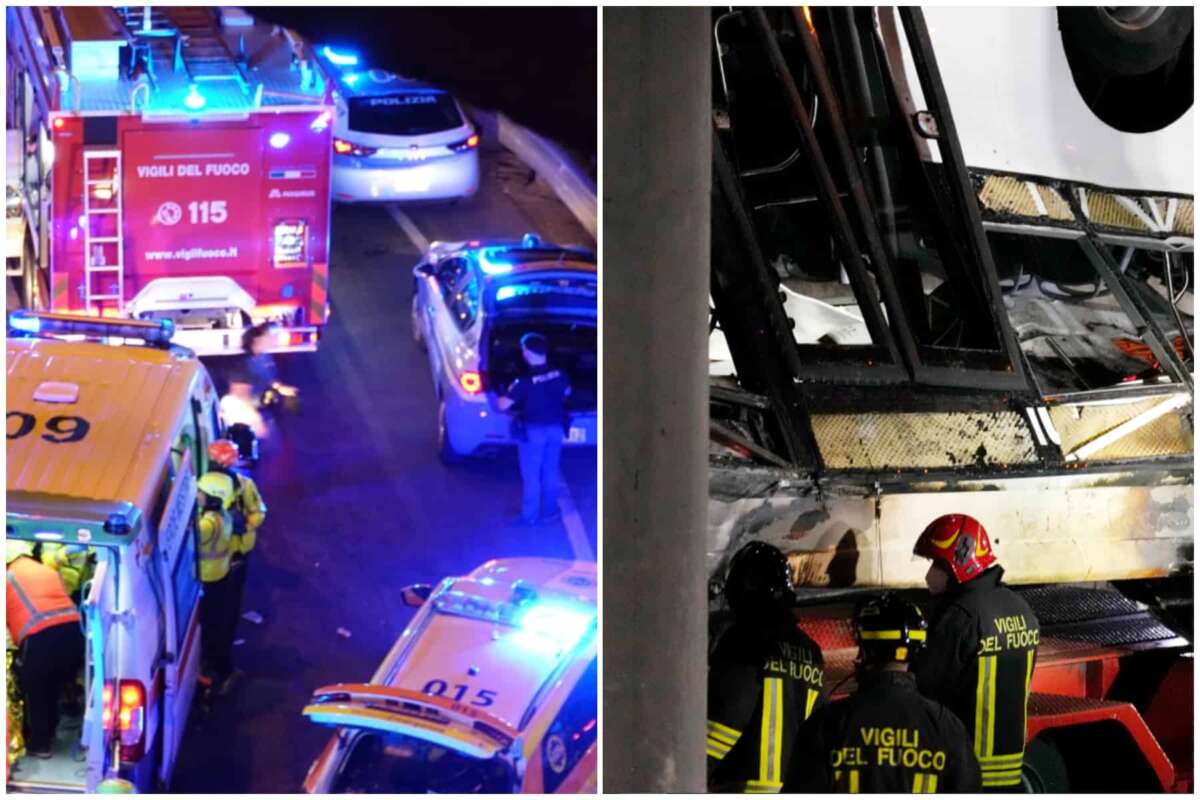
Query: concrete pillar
(655, 273)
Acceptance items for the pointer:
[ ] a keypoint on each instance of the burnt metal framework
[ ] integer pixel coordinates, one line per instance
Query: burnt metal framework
(782, 380)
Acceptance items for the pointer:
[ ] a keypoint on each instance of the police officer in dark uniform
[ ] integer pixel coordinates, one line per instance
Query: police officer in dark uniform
(764, 677)
(885, 737)
(539, 397)
(982, 646)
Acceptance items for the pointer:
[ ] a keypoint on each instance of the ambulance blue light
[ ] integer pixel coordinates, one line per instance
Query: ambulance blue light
(279, 140)
(341, 59)
(492, 266)
(19, 321)
(552, 628)
(194, 100)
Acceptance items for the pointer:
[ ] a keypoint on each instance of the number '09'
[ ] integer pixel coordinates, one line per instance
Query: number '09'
(59, 430)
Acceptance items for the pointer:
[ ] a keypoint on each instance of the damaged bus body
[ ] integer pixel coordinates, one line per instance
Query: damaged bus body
(917, 313)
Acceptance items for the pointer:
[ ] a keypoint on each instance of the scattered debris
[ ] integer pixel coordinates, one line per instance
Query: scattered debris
(253, 616)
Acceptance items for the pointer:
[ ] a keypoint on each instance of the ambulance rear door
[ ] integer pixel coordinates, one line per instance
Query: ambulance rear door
(176, 554)
(100, 620)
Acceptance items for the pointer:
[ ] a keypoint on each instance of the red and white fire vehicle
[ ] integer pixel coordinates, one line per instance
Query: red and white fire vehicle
(189, 154)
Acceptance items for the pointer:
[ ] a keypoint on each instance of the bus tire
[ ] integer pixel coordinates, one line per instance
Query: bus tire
(1126, 40)
(1045, 769)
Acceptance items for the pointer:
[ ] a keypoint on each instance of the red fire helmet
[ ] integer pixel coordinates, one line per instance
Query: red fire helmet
(960, 542)
(223, 452)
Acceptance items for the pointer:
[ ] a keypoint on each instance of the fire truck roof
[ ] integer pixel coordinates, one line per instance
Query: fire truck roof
(91, 422)
(192, 61)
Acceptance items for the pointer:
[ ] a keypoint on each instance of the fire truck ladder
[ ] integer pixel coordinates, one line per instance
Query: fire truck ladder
(203, 52)
(104, 255)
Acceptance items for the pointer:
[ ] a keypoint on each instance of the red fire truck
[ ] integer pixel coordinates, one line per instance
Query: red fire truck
(189, 154)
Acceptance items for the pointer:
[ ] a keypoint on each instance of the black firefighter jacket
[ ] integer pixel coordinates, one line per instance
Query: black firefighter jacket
(763, 682)
(885, 737)
(979, 661)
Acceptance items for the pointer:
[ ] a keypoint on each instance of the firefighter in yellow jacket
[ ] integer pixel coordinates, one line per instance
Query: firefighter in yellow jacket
(218, 608)
(247, 514)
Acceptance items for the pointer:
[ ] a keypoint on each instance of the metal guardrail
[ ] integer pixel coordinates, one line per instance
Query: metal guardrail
(549, 160)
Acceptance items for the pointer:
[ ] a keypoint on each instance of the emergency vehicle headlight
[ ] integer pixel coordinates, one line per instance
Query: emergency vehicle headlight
(492, 265)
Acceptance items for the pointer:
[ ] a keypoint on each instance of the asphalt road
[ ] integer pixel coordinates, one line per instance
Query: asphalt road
(359, 504)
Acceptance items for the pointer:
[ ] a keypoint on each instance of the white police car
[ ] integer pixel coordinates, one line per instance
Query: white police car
(396, 138)
(472, 302)
(491, 689)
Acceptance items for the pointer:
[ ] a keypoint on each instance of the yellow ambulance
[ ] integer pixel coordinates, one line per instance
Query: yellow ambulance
(108, 426)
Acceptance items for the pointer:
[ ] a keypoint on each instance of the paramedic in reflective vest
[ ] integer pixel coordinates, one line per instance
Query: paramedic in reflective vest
(886, 737)
(539, 397)
(45, 626)
(764, 677)
(247, 514)
(982, 646)
(72, 562)
(218, 611)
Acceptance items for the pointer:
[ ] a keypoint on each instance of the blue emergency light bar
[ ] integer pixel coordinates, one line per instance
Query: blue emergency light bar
(491, 265)
(340, 59)
(156, 333)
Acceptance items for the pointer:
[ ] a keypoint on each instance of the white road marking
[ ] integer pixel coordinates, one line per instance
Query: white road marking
(409, 227)
(576, 534)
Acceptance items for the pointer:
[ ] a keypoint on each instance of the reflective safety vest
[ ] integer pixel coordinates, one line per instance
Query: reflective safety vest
(36, 599)
(216, 545)
(253, 510)
(70, 561)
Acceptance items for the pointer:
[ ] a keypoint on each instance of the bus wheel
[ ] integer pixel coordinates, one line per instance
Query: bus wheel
(1045, 770)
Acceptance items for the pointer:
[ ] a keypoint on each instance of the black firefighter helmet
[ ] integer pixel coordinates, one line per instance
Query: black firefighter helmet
(759, 579)
(888, 628)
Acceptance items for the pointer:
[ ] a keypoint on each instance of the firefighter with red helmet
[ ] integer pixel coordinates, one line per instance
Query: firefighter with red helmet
(764, 677)
(885, 737)
(982, 645)
(247, 515)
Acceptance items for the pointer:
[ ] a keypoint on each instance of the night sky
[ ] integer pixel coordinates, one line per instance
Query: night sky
(538, 65)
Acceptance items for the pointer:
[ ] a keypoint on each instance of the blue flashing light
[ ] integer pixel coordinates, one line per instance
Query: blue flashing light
(350, 79)
(194, 100)
(552, 628)
(20, 321)
(341, 59)
(493, 266)
(279, 140)
(506, 293)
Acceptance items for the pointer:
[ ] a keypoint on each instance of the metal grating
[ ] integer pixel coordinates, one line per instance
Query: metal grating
(1168, 435)
(1005, 194)
(923, 441)
(1059, 605)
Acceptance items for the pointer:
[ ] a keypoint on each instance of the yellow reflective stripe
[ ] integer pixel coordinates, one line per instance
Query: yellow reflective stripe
(813, 694)
(721, 736)
(762, 787)
(931, 785)
(721, 747)
(993, 782)
(717, 754)
(771, 742)
(1002, 773)
(918, 783)
(1001, 759)
(723, 731)
(985, 701)
(991, 730)
(853, 781)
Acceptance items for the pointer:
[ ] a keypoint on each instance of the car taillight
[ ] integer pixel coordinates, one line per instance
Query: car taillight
(130, 711)
(342, 147)
(471, 382)
(470, 143)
